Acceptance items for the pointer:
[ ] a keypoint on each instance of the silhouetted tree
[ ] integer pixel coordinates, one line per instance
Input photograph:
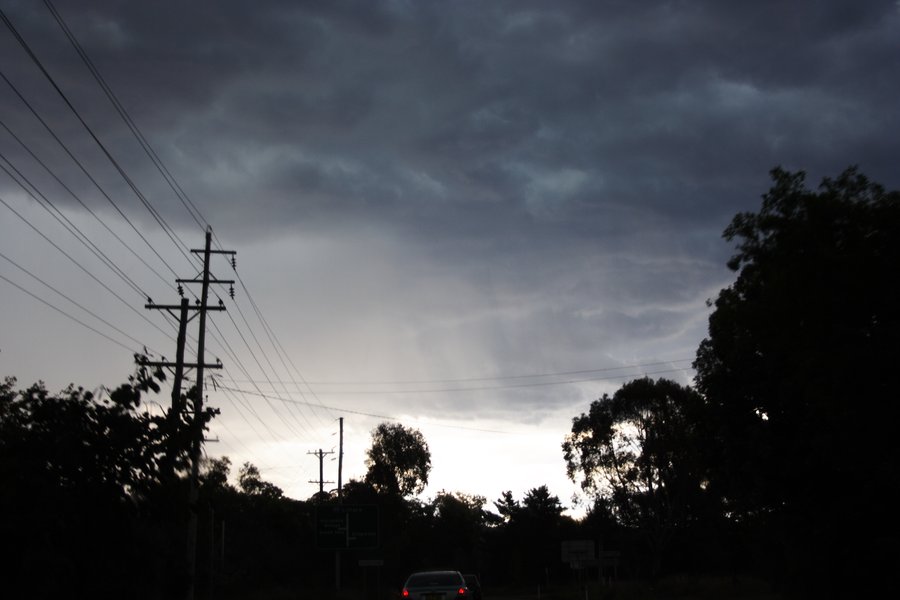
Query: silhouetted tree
(459, 521)
(84, 498)
(270, 538)
(539, 504)
(529, 535)
(356, 491)
(398, 461)
(214, 474)
(798, 370)
(639, 450)
(507, 506)
(251, 483)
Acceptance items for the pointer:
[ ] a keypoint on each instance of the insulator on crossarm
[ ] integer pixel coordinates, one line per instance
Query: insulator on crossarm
(234, 263)
(180, 290)
(231, 292)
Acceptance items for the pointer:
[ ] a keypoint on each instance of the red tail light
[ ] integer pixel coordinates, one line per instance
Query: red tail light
(405, 593)
(460, 592)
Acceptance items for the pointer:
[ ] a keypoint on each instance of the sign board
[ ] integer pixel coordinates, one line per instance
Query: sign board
(371, 562)
(347, 526)
(610, 558)
(578, 551)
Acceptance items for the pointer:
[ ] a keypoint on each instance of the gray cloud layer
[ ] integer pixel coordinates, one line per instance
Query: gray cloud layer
(467, 118)
(458, 188)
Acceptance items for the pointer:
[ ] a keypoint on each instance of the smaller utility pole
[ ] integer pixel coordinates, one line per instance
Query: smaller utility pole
(340, 458)
(321, 481)
(337, 552)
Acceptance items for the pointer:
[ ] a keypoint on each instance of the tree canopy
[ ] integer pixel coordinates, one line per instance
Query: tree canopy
(795, 367)
(252, 483)
(84, 488)
(398, 461)
(637, 449)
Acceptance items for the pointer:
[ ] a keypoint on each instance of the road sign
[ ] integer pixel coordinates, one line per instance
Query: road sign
(610, 558)
(371, 562)
(347, 526)
(578, 551)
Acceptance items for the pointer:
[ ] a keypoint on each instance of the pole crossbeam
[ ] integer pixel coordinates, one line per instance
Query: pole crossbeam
(208, 251)
(196, 280)
(164, 364)
(178, 307)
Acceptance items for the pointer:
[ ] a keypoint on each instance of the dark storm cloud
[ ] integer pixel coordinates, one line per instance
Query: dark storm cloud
(510, 111)
(593, 149)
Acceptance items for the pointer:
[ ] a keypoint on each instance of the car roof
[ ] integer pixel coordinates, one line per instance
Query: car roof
(436, 572)
(419, 575)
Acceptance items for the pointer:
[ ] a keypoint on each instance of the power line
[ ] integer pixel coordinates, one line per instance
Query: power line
(240, 364)
(357, 412)
(82, 168)
(502, 377)
(234, 402)
(269, 362)
(250, 350)
(66, 223)
(135, 130)
(88, 311)
(67, 315)
(79, 200)
(249, 407)
(235, 359)
(497, 387)
(279, 348)
(82, 267)
(160, 221)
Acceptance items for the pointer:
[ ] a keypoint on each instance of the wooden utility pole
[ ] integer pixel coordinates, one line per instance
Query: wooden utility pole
(205, 279)
(340, 458)
(321, 481)
(337, 552)
(177, 409)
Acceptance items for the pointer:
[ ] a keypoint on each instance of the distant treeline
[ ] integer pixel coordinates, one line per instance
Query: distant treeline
(779, 463)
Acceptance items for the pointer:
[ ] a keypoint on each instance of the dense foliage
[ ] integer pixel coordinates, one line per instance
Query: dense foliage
(398, 461)
(92, 490)
(638, 448)
(784, 456)
(797, 373)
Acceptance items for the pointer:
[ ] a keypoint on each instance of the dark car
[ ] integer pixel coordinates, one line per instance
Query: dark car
(435, 585)
(473, 584)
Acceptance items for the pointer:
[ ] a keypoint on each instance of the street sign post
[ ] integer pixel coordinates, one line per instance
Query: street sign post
(347, 526)
(578, 551)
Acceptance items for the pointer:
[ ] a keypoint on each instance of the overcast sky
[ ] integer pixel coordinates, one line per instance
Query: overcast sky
(471, 217)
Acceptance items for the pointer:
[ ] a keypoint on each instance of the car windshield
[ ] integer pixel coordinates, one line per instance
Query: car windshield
(433, 580)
